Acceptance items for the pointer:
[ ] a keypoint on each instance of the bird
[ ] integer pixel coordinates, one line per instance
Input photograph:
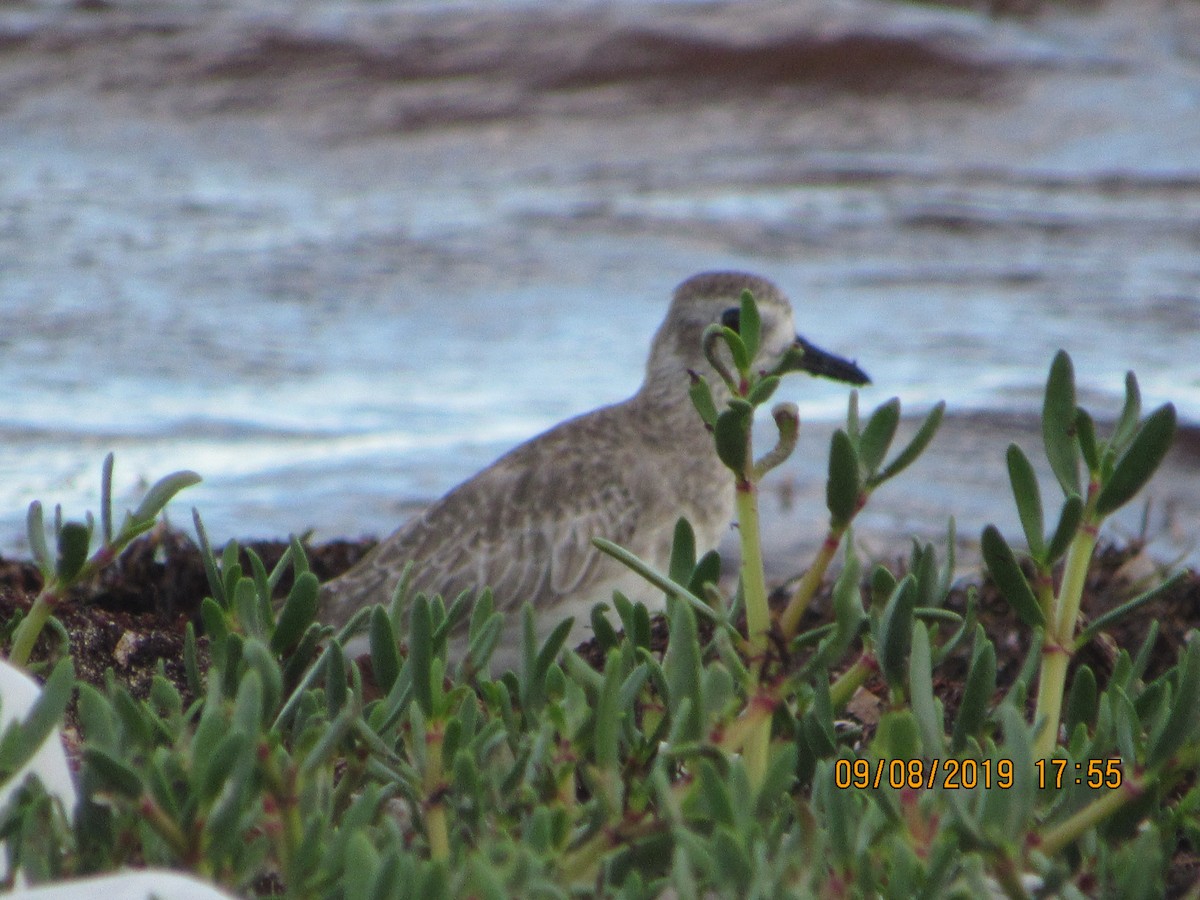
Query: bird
(524, 525)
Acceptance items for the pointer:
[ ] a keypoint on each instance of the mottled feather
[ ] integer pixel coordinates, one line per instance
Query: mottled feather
(519, 526)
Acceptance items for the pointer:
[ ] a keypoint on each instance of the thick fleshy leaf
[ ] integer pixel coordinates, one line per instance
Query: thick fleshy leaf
(296, 556)
(925, 707)
(702, 399)
(980, 686)
(852, 420)
(683, 669)
(220, 827)
(608, 714)
(791, 361)
(707, 571)
(215, 585)
(653, 576)
(111, 772)
(781, 775)
(1138, 870)
(1182, 723)
(883, 582)
(1142, 658)
(1112, 616)
(262, 589)
(161, 493)
(878, 435)
(1135, 466)
(843, 487)
(639, 633)
(1082, 700)
(683, 552)
(631, 687)
(1068, 523)
(848, 612)
(763, 389)
(749, 324)
(231, 569)
(605, 634)
(299, 611)
(1009, 578)
(1085, 432)
(246, 605)
(1058, 423)
(1028, 497)
(897, 736)
(385, 656)
(248, 707)
(841, 813)
(895, 632)
(1028, 671)
(35, 527)
(106, 524)
(97, 718)
(73, 542)
(213, 770)
(947, 573)
(1131, 413)
(420, 651)
(818, 737)
(550, 649)
(737, 349)
(923, 565)
(916, 446)
(787, 424)
(732, 436)
(1003, 820)
(260, 659)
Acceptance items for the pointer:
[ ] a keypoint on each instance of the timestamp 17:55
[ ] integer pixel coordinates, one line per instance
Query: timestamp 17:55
(1095, 773)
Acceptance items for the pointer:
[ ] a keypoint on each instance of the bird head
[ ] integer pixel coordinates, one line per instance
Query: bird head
(715, 297)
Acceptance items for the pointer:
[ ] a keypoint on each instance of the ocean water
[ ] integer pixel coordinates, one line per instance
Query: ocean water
(336, 257)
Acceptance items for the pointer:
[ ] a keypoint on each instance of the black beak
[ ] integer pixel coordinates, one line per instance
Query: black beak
(816, 361)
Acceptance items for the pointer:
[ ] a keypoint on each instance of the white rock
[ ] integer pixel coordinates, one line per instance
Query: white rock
(18, 693)
(140, 885)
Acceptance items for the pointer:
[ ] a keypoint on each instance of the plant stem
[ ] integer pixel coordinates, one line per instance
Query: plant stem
(1056, 646)
(851, 680)
(1058, 837)
(435, 823)
(1051, 680)
(740, 733)
(435, 811)
(789, 622)
(758, 624)
(1070, 595)
(754, 586)
(282, 787)
(170, 832)
(31, 626)
(580, 865)
(52, 591)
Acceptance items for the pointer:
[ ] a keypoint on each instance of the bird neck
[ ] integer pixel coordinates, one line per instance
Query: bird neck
(665, 407)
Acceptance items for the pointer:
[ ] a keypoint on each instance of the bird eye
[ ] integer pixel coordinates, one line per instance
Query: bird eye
(731, 318)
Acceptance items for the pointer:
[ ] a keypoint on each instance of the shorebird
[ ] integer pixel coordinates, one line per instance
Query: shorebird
(626, 472)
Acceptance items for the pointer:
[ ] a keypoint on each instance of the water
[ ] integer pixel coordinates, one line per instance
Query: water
(337, 257)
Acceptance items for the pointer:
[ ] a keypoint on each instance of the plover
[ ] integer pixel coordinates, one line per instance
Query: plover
(626, 472)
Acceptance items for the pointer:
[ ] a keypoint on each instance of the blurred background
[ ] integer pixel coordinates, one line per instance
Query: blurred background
(336, 256)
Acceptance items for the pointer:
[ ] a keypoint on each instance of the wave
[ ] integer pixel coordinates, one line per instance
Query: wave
(443, 65)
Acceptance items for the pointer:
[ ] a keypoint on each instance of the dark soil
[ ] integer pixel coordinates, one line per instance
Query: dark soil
(132, 620)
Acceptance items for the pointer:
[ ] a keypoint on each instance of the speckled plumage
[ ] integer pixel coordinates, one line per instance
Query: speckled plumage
(625, 472)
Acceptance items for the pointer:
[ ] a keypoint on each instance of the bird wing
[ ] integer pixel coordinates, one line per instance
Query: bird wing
(521, 527)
